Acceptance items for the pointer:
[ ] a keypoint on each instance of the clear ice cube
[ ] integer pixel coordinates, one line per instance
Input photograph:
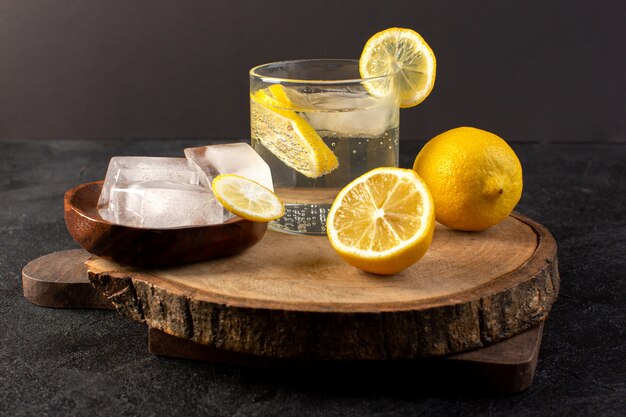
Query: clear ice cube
(127, 169)
(231, 158)
(163, 204)
(352, 114)
(158, 193)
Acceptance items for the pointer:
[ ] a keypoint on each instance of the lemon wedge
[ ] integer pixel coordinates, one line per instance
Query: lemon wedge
(383, 221)
(406, 55)
(247, 198)
(280, 95)
(288, 136)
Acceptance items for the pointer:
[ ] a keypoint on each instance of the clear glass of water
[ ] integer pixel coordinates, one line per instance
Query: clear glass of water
(356, 119)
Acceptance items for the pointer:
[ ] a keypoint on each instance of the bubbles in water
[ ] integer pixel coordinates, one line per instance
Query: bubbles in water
(308, 219)
(360, 134)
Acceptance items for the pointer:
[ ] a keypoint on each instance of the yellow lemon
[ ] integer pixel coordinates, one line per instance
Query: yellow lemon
(474, 176)
(406, 55)
(280, 94)
(288, 136)
(247, 198)
(383, 221)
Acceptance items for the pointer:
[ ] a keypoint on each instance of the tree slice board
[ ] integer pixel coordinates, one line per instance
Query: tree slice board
(60, 280)
(292, 297)
(506, 367)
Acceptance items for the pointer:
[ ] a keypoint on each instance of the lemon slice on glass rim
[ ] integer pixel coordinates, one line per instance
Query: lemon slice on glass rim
(406, 55)
(247, 198)
(383, 221)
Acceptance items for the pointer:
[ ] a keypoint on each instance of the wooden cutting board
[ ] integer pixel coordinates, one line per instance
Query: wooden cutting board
(60, 279)
(504, 367)
(292, 297)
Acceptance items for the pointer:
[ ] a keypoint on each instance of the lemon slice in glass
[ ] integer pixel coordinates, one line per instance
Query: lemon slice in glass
(406, 55)
(288, 136)
(383, 221)
(247, 198)
(280, 95)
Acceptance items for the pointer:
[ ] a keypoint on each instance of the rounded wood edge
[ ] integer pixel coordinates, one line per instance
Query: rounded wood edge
(505, 367)
(45, 285)
(493, 315)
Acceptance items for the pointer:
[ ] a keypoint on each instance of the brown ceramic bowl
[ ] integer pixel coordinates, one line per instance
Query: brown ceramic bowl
(152, 247)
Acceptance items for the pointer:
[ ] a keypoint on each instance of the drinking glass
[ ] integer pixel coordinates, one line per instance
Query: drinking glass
(294, 104)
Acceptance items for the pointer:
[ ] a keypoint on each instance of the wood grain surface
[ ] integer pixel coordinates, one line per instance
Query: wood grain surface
(504, 367)
(293, 297)
(60, 279)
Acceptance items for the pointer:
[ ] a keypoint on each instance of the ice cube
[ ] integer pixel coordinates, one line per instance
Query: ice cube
(154, 192)
(162, 204)
(127, 169)
(352, 114)
(231, 158)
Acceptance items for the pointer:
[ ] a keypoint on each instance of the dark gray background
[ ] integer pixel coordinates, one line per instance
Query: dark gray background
(527, 70)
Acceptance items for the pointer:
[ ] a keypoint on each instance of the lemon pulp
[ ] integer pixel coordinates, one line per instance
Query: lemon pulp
(404, 54)
(247, 198)
(383, 221)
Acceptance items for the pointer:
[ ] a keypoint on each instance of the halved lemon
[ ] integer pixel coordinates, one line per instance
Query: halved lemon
(383, 221)
(288, 136)
(406, 55)
(247, 198)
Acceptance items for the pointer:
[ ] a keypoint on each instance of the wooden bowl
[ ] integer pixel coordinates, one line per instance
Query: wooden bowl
(152, 247)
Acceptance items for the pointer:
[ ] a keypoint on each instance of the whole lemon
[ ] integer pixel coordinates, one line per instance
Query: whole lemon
(474, 177)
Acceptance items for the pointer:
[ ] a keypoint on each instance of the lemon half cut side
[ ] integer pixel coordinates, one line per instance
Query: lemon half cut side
(383, 221)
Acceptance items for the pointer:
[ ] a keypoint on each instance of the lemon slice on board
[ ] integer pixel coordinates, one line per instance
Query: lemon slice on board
(406, 55)
(288, 136)
(383, 221)
(247, 198)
